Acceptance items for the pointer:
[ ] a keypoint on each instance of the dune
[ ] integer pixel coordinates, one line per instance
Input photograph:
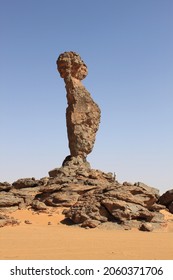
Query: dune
(44, 236)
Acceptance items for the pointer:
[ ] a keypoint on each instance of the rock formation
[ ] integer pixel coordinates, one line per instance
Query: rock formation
(82, 114)
(90, 197)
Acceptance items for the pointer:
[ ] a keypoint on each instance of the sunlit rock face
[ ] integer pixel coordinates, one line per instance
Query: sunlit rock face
(82, 113)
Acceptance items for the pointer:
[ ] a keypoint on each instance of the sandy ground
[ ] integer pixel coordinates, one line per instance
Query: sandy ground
(43, 241)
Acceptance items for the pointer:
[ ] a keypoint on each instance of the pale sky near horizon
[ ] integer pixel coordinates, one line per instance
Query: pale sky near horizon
(128, 48)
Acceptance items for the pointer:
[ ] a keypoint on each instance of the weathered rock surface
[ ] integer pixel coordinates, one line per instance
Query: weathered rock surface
(167, 200)
(118, 203)
(5, 186)
(26, 194)
(26, 183)
(9, 199)
(20, 194)
(82, 114)
(91, 197)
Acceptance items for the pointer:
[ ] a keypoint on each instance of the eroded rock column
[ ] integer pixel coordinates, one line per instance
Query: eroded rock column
(82, 113)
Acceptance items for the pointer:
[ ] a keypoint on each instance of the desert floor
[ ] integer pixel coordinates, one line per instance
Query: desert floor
(42, 241)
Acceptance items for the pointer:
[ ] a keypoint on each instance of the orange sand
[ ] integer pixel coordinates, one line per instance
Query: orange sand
(59, 241)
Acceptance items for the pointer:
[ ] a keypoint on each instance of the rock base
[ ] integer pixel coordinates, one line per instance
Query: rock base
(91, 198)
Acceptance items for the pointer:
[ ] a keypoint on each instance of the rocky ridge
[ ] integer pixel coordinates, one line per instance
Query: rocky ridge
(90, 198)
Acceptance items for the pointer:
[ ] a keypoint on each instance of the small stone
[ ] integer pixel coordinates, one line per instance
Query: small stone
(146, 227)
(28, 222)
(90, 223)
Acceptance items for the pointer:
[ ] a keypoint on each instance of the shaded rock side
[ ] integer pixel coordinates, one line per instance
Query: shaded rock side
(82, 113)
(167, 200)
(5, 186)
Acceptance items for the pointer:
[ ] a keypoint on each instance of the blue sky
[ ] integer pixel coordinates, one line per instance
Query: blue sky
(128, 48)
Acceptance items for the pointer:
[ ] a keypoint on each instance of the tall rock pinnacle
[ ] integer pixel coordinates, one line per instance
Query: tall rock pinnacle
(82, 113)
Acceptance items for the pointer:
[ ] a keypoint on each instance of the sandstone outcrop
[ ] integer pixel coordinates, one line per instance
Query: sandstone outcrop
(90, 197)
(82, 114)
(128, 206)
(18, 195)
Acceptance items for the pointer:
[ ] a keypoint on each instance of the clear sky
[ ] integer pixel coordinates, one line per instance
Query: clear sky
(128, 48)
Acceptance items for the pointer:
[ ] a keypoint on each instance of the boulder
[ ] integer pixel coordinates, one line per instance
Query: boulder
(5, 186)
(38, 205)
(65, 199)
(26, 183)
(91, 223)
(166, 198)
(148, 189)
(146, 227)
(123, 210)
(9, 199)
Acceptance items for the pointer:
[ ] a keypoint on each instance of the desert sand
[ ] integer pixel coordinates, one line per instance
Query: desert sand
(48, 238)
